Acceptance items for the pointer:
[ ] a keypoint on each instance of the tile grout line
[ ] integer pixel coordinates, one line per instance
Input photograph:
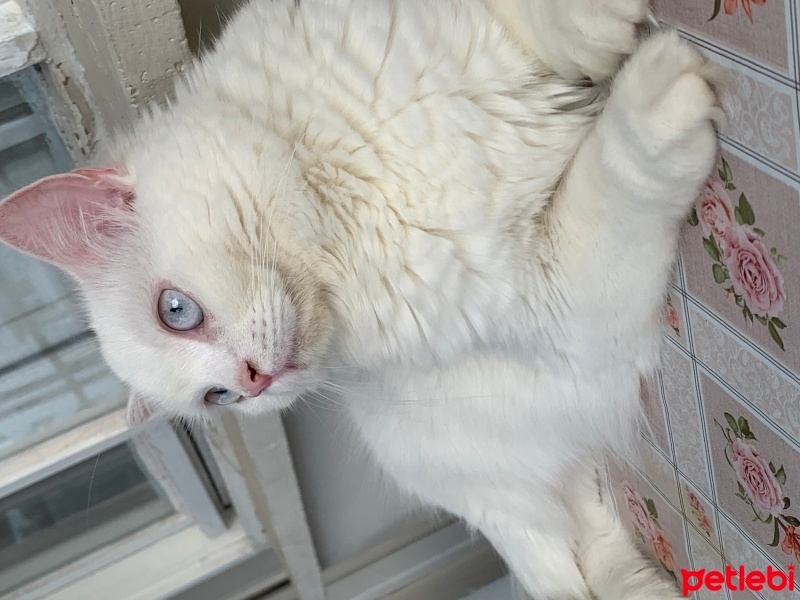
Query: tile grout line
(747, 62)
(744, 340)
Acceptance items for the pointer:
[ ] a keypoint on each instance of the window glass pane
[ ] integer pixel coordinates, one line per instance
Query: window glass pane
(52, 376)
(54, 391)
(73, 513)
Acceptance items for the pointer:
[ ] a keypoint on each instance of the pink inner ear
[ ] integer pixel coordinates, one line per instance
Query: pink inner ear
(139, 411)
(68, 219)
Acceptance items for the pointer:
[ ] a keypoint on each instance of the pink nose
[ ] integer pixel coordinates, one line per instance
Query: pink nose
(252, 381)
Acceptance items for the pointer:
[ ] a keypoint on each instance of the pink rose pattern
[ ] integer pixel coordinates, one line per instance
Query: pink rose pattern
(714, 210)
(752, 271)
(748, 271)
(645, 520)
(639, 511)
(672, 316)
(699, 512)
(759, 482)
(731, 6)
(663, 551)
(754, 474)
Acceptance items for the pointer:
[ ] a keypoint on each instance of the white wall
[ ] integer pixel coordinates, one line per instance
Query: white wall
(350, 508)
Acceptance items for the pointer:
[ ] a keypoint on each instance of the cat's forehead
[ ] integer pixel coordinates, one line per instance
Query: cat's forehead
(207, 148)
(195, 182)
(208, 206)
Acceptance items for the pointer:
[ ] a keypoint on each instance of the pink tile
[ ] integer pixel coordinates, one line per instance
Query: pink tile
(706, 557)
(740, 551)
(653, 406)
(700, 514)
(764, 38)
(756, 474)
(762, 117)
(742, 258)
(746, 371)
(657, 527)
(684, 418)
(674, 318)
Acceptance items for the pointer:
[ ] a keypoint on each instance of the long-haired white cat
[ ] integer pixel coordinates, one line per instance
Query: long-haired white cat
(429, 206)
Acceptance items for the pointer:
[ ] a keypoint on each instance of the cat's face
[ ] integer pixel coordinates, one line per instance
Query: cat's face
(199, 302)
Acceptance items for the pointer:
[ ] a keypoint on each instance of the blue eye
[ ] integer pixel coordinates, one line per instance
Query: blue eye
(221, 396)
(179, 312)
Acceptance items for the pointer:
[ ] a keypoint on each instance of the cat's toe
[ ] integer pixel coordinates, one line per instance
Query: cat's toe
(666, 101)
(668, 81)
(598, 34)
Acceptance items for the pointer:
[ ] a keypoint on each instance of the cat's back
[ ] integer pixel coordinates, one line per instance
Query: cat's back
(389, 90)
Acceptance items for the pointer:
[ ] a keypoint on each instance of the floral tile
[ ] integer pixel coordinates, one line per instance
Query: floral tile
(738, 550)
(659, 471)
(699, 513)
(741, 254)
(705, 556)
(756, 29)
(656, 526)
(737, 595)
(655, 413)
(684, 416)
(676, 277)
(675, 319)
(756, 473)
(728, 413)
(748, 373)
(763, 116)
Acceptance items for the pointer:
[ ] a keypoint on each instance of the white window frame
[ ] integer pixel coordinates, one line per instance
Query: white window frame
(100, 70)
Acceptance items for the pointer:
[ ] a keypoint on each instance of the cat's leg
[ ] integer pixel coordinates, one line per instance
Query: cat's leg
(615, 222)
(611, 563)
(614, 230)
(576, 38)
(540, 553)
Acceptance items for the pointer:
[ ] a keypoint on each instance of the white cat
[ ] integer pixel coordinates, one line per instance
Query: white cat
(418, 204)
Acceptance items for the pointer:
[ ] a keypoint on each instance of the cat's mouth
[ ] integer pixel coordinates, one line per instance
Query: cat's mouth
(222, 396)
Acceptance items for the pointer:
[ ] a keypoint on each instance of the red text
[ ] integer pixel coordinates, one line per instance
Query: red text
(738, 580)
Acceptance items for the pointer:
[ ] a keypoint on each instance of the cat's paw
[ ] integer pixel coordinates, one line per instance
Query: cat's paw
(663, 109)
(588, 38)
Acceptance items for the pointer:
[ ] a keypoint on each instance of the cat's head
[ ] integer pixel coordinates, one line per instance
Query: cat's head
(195, 269)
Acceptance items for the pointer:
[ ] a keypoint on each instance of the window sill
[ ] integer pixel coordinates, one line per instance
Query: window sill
(19, 42)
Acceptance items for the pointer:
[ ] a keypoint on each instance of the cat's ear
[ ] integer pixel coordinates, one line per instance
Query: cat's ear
(139, 411)
(70, 220)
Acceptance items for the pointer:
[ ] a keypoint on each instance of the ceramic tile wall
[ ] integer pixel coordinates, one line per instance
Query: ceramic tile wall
(718, 481)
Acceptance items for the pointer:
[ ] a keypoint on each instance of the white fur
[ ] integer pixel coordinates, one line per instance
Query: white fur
(576, 38)
(415, 194)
